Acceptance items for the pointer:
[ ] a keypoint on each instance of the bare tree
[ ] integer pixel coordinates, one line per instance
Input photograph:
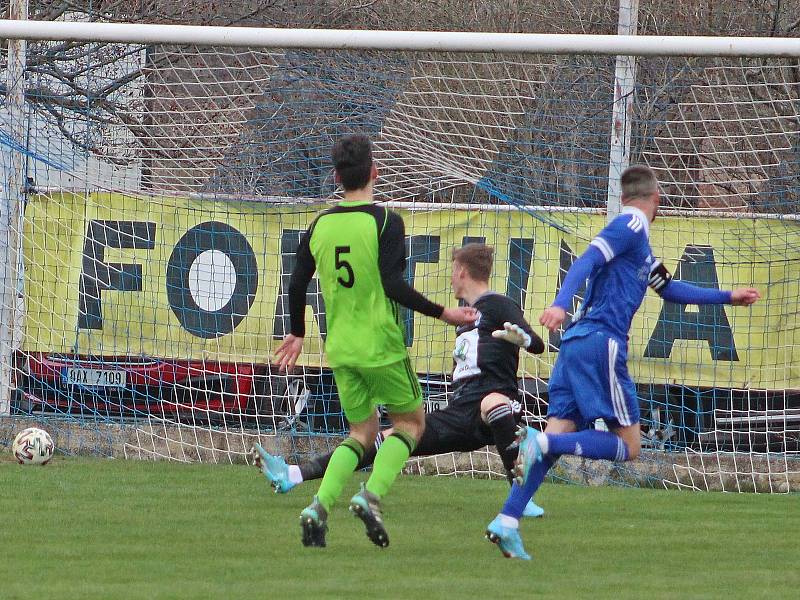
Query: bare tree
(223, 119)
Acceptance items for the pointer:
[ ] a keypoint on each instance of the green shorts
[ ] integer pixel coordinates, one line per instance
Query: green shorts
(361, 389)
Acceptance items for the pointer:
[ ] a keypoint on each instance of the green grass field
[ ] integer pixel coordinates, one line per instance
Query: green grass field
(122, 529)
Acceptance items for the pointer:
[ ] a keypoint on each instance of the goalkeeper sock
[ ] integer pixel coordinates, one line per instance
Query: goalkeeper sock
(589, 443)
(340, 469)
(519, 496)
(389, 461)
(501, 421)
(315, 468)
(295, 474)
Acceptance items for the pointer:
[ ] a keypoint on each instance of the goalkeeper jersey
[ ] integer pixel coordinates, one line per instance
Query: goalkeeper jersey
(484, 362)
(358, 252)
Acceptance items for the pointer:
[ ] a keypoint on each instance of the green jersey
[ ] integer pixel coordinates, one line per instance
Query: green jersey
(358, 252)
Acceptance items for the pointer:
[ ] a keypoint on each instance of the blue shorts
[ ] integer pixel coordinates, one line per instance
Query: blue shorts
(590, 381)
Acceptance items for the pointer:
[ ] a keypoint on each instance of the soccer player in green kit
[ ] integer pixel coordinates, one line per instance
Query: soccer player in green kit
(358, 250)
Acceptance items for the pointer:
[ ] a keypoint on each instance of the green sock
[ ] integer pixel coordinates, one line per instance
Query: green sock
(389, 461)
(344, 461)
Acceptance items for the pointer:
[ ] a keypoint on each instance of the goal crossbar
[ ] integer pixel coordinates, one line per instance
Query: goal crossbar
(447, 41)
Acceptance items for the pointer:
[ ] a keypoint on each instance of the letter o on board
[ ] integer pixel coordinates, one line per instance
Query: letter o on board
(212, 278)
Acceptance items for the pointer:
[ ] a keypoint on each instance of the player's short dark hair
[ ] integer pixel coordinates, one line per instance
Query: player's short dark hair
(352, 159)
(638, 183)
(477, 260)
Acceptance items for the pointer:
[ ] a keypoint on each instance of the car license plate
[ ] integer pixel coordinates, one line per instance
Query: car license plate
(94, 377)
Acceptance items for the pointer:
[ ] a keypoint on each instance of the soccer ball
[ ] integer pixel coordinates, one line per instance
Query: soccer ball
(33, 446)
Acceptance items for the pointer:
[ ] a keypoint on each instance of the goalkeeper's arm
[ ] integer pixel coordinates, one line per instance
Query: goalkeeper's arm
(517, 331)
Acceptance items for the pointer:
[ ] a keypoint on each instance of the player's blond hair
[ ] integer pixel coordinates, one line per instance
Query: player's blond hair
(638, 183)
(477, 260)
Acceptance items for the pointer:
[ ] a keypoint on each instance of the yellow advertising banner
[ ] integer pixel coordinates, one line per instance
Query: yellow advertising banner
(115, 275)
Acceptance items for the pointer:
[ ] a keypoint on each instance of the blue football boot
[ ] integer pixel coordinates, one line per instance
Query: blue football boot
(507, 539)
(533, 510)
(529, 453)
(274, 469)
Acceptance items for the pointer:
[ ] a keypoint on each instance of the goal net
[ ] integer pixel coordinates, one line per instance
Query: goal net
(154, 195)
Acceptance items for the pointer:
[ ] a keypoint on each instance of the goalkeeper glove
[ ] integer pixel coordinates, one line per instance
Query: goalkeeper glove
(513, 334)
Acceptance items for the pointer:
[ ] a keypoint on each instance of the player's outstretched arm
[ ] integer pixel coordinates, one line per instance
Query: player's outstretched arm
(623, 234)
(460, 315)
(288, 352)
(392, 264)
(578, 273)
(553, 317)
(517, 331)
(513, 334)
(292, 345)
(681, 292)
(745, 296)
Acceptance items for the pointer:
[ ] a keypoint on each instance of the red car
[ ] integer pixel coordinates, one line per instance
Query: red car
(206, 390)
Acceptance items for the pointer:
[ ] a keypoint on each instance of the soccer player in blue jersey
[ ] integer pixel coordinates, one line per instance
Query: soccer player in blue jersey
(590, 378)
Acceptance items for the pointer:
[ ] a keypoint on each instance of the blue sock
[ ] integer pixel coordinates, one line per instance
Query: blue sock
(518, 496)
(589, 443)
